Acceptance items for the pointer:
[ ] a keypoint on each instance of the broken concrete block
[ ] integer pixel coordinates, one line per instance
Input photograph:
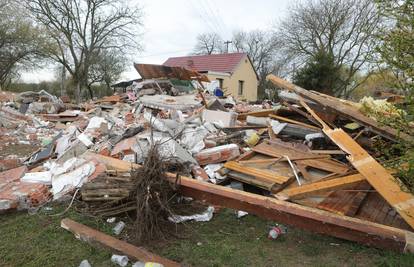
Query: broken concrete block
(38, 177)
(224, 119)
(217, 154)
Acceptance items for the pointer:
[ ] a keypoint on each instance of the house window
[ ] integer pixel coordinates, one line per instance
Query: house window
(221, 81)
(241, 87)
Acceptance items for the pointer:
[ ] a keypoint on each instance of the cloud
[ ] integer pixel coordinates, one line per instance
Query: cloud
(171, 27)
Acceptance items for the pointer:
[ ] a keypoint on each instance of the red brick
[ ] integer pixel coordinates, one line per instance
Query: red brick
(7, 164)
(12, 175)
(217, 154)
(199, 173)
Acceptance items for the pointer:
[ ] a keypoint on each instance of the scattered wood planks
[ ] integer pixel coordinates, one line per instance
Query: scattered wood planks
(340, 107)
(385, 184)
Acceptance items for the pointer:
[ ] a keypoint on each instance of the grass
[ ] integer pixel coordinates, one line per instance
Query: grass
(38, 240)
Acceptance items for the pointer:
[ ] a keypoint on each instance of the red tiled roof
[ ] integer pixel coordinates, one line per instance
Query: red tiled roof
(217, 62)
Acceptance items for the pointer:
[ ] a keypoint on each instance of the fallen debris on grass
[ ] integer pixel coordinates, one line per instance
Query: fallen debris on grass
(308, 162)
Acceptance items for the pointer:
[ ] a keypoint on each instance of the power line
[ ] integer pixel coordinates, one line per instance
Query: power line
(226, 29)
(213, 17)
(207, 23)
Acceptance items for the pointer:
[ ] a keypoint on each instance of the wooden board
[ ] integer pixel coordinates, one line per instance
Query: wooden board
(94, 237)
(340, 107)
(259, 113)
(328, 165)
(280, 118)
(346, 202)
(265, 175)
(322, 186)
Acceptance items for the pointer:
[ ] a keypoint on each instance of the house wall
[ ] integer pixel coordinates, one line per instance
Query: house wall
(244, 72)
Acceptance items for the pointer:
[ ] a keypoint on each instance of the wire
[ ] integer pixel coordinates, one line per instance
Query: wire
(207, 23)
(216, 17)
(212, 16)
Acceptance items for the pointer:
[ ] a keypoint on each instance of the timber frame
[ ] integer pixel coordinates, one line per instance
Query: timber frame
(312, 219)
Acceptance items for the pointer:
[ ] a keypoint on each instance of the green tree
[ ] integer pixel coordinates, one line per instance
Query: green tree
(21, 42)
(342, 30)
(397, 41)
(319, 74)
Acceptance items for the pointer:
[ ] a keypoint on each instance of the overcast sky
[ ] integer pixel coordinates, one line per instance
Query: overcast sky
(171, 27)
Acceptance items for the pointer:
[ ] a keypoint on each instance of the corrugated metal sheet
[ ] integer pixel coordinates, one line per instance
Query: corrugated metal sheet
(150, 71)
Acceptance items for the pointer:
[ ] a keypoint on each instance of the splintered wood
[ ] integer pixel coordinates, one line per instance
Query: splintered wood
(377, 176)
(375, 173)
(341, 108)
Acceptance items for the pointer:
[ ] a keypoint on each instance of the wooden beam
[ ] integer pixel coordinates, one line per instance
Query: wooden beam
(318, 187)
(323, 222)
(345, 110)
(385, 184)
(265, 175)
(95, 237)
(293, 122)
(260, 113)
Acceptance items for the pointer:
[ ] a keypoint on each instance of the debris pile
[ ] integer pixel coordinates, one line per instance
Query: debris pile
(308, 160)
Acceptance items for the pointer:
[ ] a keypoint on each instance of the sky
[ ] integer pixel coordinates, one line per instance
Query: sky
(171, 27)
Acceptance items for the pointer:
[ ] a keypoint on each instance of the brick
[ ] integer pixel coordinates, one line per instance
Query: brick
(22, 195)
(12, 175)
(217, 154)
(7, 164)
(124, 146)
(199, 173)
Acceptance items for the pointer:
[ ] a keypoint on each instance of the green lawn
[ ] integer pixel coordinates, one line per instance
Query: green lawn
(38, 240)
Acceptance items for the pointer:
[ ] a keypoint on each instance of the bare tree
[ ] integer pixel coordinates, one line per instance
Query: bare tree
(21, 43)
(83, 29)
(262, 48)
(209, 43)
(341, 29)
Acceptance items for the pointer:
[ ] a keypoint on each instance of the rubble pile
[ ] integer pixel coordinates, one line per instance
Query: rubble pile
(309, 149)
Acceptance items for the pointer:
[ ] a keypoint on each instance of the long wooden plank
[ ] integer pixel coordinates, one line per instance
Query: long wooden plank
(293, 121)
(94, 237)
(385, 184)
(312, 219)
(259, 113)
(328, 165)
(318, 187)
(343, 109)
(265, 175)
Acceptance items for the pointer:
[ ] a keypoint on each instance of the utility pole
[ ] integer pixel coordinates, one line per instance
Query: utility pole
(227, 45)
(62, 81)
